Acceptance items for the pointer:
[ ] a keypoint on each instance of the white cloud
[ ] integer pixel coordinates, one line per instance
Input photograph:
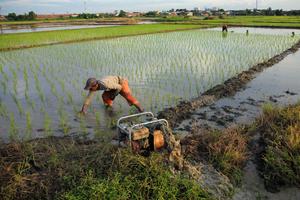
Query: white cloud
(58, 6)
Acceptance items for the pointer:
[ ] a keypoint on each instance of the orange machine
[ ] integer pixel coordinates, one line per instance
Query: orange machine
(143, 132)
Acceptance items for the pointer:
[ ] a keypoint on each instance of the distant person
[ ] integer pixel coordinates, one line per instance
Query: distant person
(247, 32)
(293, 34)
(112, 86)
(224, 28)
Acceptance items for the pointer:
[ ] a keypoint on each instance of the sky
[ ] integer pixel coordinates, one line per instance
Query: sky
(78, 6)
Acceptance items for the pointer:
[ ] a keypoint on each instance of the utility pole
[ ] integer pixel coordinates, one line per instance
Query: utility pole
(84, 6)
(256, 4)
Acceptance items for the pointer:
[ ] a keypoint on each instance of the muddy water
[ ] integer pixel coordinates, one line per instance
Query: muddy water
(43, 87)
(278, 85)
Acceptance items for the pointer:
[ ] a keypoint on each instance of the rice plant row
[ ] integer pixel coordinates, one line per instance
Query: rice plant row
(42, 88)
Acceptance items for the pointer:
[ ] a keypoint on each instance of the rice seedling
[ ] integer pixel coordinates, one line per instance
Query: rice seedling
(162, 69)
(3, 110)
(47, 124)
(18, 103)
(28, 135)
(13, 130)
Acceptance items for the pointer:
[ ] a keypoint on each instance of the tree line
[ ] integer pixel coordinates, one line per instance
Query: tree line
(27, 16)
(266, 12)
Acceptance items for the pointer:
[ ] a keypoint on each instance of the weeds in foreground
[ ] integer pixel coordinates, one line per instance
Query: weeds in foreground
(280, 130)
(63, 168)
(226, 150)
(137, 177)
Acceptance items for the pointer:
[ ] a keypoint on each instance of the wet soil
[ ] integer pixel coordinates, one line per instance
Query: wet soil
(239, 101)
(184, 109)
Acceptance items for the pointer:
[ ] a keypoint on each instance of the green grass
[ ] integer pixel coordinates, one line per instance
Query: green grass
(136, 177)
(280, 130)
(23, 40)
(268, 21)
(226, 150)
(62, 168)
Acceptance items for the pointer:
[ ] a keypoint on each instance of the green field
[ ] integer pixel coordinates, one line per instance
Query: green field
(23, 40)
(273, 21)
(268, 21)
(68, 20)
(50, 79)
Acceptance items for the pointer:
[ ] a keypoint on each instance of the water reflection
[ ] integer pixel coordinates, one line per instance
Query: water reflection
(37, 28)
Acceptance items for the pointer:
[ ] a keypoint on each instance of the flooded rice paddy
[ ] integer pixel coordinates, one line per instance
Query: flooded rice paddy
(41, 89)
(36, 28)
(258, 30)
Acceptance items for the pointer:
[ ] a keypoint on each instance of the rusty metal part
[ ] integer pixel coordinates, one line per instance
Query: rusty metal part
(158, 139)
(140, 133)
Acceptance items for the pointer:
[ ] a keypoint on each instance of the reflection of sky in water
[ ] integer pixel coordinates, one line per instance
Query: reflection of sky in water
(162, 69)
(39, 29)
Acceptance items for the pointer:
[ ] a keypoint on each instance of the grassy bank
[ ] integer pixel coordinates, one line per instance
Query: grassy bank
(226, 150)
(26, 40)
(62, 168)
(255, 21)
(280, 159)
(277, 150)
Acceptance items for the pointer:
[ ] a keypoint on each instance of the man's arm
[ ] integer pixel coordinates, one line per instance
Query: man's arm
(87, 102)
(139, 107)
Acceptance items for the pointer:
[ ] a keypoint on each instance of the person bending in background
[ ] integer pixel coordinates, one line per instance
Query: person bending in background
(112, 86)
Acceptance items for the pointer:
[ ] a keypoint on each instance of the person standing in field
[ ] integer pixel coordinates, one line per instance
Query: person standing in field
(224, 28)
(112, 86)
(293, 34)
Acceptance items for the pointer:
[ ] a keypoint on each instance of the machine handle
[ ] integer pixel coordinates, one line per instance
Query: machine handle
(151, 122)
(134, 115)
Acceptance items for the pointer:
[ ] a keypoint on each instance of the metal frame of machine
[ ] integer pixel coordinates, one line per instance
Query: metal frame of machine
(128, 129)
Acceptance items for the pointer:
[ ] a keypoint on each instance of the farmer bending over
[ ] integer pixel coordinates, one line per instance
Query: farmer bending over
(112, 86)
(224, 28)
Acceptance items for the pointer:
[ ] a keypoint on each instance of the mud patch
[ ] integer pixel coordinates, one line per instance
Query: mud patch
(183, 110)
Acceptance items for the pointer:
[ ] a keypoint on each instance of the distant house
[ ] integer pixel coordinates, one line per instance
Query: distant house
(74, 15)
(189, 14)
(172, 14)
(53, 16)
(133, 14)
(2, 18)
(206, 13)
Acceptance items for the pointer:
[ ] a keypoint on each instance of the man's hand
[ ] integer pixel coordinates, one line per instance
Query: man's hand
(81, 113)
(83, 109)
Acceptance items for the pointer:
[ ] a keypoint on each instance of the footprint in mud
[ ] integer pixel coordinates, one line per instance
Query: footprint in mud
(213, 118)
(213, 107)
(221, 122)
(290, 93)
(202, 115)
(187, 128)
(272, 99)
(229, 118)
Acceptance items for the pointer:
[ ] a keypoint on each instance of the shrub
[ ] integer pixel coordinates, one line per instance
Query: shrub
(136, 177)
(280, 129)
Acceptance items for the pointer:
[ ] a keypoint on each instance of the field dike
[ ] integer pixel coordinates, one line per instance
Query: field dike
(200, 137)
(96, 38)
(182, 111)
